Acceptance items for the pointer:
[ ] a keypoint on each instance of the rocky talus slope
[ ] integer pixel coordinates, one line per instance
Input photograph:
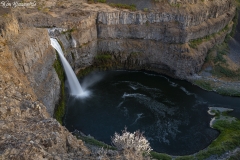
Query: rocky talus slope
(29, 86)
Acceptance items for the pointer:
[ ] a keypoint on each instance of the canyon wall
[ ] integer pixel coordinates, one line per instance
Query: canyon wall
(29, 89)
(161, 39)
(158, 39)
(34, 57)
(152, 40)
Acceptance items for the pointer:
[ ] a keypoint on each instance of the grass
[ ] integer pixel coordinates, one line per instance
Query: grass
(178, 5)
(222, 50)
(131, 7)
(221, 71)
(85, 71)
(228, 92)
(103, 57)
(101, 1)
(145, 9)
(103, 60)
(210, 57)
(228, 139)
(160, 156)
(203, 84)
(194, 43)
(210, 87)
(185, 157)
(95, 142)
(60, 107)
(5, 15)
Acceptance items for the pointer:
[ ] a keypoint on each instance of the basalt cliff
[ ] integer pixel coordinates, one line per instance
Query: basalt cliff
(164, 38)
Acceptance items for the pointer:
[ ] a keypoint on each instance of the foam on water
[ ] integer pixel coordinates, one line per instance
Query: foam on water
(120, 104)
(139, 116)
(163, 130)
(187, 92)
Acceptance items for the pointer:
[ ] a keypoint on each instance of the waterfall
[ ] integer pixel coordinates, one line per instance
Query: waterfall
(75, 87)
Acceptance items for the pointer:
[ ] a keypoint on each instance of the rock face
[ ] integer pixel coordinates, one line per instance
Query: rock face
(26, 128)
(33, 56)
(157, 40)
(154, 40)
(161, 38)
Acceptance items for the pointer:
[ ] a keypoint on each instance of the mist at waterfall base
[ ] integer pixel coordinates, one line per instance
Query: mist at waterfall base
(75, 87)
(172, 113)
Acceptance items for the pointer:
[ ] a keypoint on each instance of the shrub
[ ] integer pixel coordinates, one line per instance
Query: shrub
(101, 1)
(221, 71)
(131, 7)
(145, 9)
(131, 141)
(203, 84)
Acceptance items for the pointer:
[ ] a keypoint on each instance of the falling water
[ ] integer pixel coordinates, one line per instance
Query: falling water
(74, 84)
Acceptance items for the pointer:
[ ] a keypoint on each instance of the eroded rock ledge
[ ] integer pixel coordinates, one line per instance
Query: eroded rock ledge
(29, 87)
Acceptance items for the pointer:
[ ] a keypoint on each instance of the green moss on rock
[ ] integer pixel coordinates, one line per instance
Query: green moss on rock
(160, 156)
(203, 84)
(60, 107)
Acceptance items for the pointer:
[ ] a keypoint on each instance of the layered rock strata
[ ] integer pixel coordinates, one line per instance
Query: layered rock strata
(160, 38)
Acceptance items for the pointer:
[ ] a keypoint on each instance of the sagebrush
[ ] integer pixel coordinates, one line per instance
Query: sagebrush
(131, 141)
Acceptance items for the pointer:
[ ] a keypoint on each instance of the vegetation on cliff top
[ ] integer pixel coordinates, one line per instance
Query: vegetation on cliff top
(131, 7)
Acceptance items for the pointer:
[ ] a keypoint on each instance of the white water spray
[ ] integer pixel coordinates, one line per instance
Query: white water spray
(74, 84)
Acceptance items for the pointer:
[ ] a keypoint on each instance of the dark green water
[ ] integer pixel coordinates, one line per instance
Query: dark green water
(172, 113)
